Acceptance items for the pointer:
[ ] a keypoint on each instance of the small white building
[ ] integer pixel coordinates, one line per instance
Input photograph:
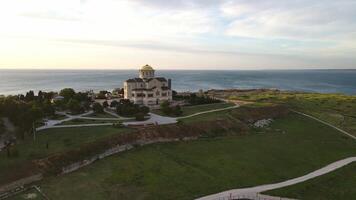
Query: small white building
(148, 90)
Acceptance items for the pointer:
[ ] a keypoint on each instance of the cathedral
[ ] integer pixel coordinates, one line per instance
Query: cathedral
(148, 90)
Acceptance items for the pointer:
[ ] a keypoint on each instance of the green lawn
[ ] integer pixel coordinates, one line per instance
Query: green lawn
(291, 147)
(29, 194)
(340, 184)
(87, 121)
(189, 110)
(60, 139)
(101, 115)
(337, 109)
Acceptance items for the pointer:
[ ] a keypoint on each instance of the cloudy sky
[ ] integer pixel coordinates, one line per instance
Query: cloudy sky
(180, 34)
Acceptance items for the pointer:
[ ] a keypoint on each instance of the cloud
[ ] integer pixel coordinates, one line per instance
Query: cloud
(306, 20)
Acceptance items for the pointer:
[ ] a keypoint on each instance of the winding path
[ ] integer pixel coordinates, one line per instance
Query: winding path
(209, 111)
(262, 188)
(258, 189)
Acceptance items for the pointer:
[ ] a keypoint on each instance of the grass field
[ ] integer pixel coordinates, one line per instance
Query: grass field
(189, 110)
(60, 139)
(87, 121)
(100, 115)
(29, 194)
(340, 184)
(337, 109)
(291, 147)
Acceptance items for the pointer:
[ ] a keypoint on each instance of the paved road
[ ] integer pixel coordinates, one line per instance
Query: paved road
(262, 188)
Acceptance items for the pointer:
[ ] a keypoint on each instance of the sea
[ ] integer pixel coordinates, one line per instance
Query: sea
(14, 82)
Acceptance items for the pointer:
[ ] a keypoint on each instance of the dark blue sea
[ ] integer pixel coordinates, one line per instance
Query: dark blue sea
(322, 81)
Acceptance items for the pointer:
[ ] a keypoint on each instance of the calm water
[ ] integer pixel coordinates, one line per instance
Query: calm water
(324, 81)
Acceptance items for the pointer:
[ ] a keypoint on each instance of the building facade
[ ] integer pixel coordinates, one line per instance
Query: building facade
(148, 90)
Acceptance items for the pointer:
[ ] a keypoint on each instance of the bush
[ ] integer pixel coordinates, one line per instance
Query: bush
(98, 108)
(175, 111)
(128, 109)
(140, 116)
(114, 103)
(105, 104)
(118, 125)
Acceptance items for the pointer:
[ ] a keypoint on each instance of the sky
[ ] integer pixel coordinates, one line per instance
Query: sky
(178, 34)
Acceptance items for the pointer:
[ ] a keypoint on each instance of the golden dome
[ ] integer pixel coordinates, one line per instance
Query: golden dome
(147, 68)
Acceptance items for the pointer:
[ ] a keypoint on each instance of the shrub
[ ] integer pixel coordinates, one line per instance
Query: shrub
(98, 108)
(117, 125)
(105, 104)
(140, 116)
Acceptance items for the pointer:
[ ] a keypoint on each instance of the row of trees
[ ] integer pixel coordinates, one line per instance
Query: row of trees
(24, 114)
(194, 99)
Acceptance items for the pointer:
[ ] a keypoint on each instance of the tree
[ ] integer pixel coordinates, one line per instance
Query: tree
(140, 116)
(105, 104)
(67, 93)
(30, 96)
(114, 103)
(177, 110)
(144, 109)
(98, 108)
(165, 107)
(74, 106)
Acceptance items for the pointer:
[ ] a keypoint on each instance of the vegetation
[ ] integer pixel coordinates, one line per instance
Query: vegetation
(87, 121)
(2, 127)
(186, 170)
(128, 109)
(98, 108)
(339, 184)
(102, 94)
(189, 110)
(48, 142)
(25, 111)
(336, 109)
(169, 110)
(100, 115)
(194, 99)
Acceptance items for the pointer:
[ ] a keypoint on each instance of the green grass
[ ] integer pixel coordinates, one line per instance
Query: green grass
(340, 184)
(29, 194)
(87, 121)
(291, 147)
(60, 139)
(58, 117)
(189, 110)
(337, 109)
(100, 115)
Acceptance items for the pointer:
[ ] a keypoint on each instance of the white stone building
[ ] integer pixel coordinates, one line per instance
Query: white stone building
(148, 90)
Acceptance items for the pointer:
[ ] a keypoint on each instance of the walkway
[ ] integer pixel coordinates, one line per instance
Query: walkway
(154, 119)
(258, 189)
(263, 188)
(161, 120)
(326, 123)
(209, 111)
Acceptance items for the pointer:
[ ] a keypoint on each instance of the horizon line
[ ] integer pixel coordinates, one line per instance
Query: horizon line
(135, 69)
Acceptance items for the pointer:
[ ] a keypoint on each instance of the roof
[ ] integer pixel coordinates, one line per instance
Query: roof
(133, 80)
(161, 79)
(147, 68)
